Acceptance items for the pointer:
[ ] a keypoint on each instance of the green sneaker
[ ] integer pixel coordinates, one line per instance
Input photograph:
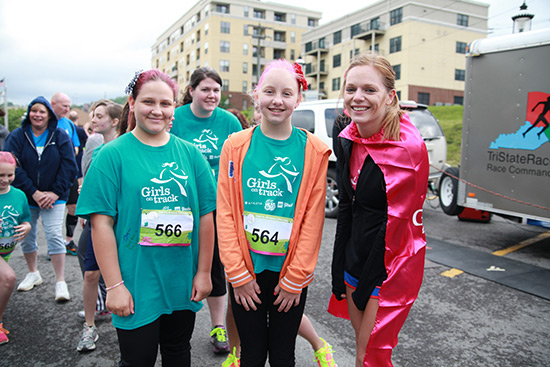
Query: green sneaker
(232, 360)
(218, 338)
(323, 356)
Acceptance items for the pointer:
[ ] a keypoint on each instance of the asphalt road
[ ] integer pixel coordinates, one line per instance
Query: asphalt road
(464, 320)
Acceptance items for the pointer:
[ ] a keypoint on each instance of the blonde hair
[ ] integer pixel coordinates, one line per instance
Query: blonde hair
(392, 119)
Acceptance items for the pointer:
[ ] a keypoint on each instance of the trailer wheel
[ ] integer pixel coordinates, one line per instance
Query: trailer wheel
(448, 188)
(331, 199)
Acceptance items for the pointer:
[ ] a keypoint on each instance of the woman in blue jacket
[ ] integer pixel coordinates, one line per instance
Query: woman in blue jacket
(46, 172)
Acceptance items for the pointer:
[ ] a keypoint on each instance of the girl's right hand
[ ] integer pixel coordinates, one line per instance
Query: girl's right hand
(247, 295)
(119, 301)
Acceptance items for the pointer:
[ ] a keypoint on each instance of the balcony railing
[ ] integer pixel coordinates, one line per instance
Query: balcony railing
(366, 29)
(313, 47)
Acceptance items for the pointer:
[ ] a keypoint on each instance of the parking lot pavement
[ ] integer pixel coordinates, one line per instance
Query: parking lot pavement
(46, 333)
(465, 320)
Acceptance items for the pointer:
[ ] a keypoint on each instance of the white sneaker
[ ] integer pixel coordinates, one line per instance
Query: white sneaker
(61, 292)
(31, 279)
(88, 339)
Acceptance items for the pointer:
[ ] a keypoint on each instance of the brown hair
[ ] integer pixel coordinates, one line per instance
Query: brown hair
(241, 117)
(393, 112)
(114, 110)
(196, 78)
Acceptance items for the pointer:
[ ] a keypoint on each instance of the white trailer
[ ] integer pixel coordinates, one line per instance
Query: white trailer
(505, 159)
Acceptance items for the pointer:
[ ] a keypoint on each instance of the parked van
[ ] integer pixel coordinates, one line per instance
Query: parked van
(318, 118)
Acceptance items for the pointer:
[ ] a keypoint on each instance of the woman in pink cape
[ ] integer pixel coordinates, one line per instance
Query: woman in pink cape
(378, 259)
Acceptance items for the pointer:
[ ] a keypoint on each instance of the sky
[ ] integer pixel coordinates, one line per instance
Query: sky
(91, 50)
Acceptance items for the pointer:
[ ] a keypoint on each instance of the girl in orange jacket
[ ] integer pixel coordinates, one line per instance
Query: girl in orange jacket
(271, 192)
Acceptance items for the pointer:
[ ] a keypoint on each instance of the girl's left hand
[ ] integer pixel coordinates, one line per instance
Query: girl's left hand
(286, 299)
(202, 286)
(21, 231)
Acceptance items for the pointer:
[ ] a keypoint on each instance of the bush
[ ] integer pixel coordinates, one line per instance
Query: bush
(450, 119)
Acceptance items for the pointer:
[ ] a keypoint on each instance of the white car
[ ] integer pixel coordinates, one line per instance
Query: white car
(318, 118)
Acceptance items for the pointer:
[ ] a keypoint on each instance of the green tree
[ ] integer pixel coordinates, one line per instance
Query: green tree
(14, 117)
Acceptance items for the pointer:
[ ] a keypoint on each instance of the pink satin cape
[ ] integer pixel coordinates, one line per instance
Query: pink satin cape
(405, 166)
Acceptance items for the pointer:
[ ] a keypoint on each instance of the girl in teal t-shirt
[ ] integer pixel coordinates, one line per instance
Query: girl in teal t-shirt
(152, 236)
(201, 122)
(14, 226)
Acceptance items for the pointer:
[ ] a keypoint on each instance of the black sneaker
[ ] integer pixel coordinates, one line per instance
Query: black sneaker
(71, 248)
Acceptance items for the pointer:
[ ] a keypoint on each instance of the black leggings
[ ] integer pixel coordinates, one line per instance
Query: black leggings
(268, 330)
(138, 347)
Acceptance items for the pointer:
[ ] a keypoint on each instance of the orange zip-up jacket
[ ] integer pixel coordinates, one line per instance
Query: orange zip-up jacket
(309, 215)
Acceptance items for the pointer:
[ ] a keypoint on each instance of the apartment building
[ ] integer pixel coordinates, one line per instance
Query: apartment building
(424, 40)
(232, 37)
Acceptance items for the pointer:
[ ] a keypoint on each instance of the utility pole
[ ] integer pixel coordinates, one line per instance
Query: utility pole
(259, 36)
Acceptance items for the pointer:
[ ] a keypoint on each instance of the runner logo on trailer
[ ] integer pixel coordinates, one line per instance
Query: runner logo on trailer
(534, 132)
(532, 135)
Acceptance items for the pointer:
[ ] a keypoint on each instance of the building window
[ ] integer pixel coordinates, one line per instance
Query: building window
(245, 103)
(311, 22)
(336, 60)
(225, 85)
(205, 48)
(424, 98)
(225, 27)
(336, 84)
(322, 66)
(278, 54)
(224, 65)
(461, 47)
(245, 68)
(460, 74)
(395, 44)
(353, 53)
(245, 30)
(221, 8)
(375, 23)
(396, 16)
(245, 48)
(206, 29)
(280, 17)
(321, 86)
(246, 11)
(279, 36)
(245, 86)
(224, 46)
(462, 20)
(181, 46)
(458, 100)
(337, 37)
(255, 51)
(292, 18)
(397, 71)
(292, 55)
(293, 37)
(260, 14)
(376, 47)
(398, 94)
(355, 29)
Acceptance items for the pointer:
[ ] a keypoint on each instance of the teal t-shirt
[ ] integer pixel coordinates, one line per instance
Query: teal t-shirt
(15, 210)
(153, 195)
(272, 173)
(207, 134)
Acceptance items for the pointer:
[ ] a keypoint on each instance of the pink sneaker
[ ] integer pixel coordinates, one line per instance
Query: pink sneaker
(3, 334)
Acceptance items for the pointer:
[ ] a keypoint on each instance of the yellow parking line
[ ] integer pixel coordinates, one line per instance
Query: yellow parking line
(451, 273)
(522, 244)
